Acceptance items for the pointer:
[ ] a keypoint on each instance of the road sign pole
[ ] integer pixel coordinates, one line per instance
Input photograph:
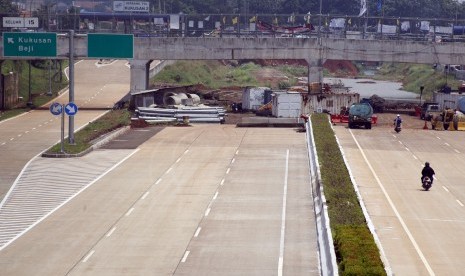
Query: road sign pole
(49, 93)
(29, 101)
(62, 150)
(71, 85)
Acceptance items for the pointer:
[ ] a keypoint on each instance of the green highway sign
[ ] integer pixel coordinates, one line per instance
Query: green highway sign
(110, 45)
(29, 44)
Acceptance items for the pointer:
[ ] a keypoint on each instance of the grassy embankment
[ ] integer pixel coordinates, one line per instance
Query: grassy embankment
(39, 84)
(355, 247)
(215, 75)
(413, 76)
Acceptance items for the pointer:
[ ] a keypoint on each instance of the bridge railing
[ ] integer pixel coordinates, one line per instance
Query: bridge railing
(255, 25)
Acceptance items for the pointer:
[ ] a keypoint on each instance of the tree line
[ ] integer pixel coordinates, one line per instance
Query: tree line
(446, 9)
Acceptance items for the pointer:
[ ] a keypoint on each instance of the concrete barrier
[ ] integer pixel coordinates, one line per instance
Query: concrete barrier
(327, 254)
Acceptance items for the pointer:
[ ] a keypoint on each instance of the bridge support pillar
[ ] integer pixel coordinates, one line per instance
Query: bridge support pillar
(140, 70)
(315, 71)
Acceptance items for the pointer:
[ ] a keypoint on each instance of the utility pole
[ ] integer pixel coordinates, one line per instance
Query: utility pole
(29, 102)
(71, 86)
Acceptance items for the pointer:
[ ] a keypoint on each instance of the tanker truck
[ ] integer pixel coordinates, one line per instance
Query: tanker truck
(360, 115)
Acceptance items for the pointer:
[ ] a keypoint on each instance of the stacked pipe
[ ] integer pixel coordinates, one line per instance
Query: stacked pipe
(196, 115)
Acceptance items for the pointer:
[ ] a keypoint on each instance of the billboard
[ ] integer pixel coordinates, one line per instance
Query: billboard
(20, 22)
(131, 6)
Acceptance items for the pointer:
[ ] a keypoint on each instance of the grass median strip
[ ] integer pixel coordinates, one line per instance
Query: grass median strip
(356, 250)
(84, 137)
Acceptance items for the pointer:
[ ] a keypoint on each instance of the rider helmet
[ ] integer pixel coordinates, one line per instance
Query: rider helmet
(426, 164)
(398, 115)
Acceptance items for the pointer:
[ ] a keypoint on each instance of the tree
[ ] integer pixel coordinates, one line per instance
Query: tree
(6, 7)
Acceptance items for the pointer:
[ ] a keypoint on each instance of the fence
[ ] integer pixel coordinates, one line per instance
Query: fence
(274, 25)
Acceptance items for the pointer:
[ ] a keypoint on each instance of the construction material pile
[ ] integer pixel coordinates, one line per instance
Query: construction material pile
(197, 114)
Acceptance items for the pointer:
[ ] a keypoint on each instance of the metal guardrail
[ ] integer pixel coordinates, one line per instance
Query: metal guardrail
(328, 263)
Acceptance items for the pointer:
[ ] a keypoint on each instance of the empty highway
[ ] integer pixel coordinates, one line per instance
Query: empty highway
(201, 200)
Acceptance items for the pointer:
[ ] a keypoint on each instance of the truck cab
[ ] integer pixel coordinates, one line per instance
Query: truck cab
(429, 110)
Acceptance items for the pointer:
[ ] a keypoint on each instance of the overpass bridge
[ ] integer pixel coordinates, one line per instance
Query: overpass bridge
(315, 50)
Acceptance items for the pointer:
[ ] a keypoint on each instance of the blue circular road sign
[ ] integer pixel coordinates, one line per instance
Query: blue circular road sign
(71, 109)
(56, 108)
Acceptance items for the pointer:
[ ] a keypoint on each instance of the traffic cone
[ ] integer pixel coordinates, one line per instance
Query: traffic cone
(425, 126)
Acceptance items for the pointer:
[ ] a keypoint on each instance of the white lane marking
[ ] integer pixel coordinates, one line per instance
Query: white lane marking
(129, 212)
(208, 212)
(11, 139)
(158, 181)
(407, 149)
(445, 188)
(228, 170)
(179, 159)
(168, 171)
(19, 135)
(145, 195)
(40, 125)
(186, 151)
(46, 122)
(394, 136)
(283, 218)
(88, 256)
(459, 202)
(415, 157)
(3, 143)
(438, 137)
(456, 151)
(233, 160)
(111, 232)
(67, 200)
(447, 144)
(400, 142)
(184, 258)
(33, 128)
(27, 131)
(237, 152)
(215, 196)
(222, 182)
(197, 232)
(393, 207)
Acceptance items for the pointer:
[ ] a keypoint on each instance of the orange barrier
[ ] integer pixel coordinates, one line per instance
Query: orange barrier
(337, 118)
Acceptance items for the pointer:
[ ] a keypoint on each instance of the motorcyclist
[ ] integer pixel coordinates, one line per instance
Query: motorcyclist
(427, 171)
(398, 121)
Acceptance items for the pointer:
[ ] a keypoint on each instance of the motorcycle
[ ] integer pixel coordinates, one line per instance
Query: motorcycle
(426, 183)
(397, 129)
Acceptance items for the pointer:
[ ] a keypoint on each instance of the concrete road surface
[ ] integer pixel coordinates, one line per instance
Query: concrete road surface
(25, 136)
(422, 233)
(201, 200)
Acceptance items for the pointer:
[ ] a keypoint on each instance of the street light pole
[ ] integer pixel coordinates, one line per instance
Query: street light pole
(421, 92)
(29, 102)
(49, 93)
(319, 18)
